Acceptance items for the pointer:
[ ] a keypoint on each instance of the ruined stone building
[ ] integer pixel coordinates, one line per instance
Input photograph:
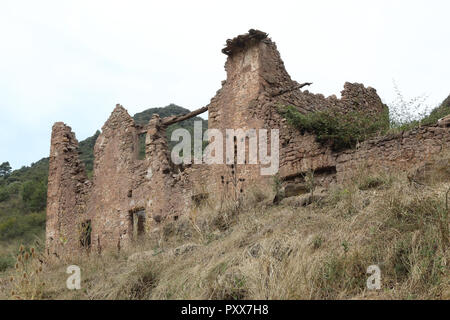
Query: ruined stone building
(127, 195)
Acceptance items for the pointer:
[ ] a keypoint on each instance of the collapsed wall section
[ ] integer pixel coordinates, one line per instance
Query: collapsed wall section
(166, 199)
(301, 152)
(258, 86)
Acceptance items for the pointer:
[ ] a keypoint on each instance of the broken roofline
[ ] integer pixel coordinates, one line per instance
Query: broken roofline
(173, 119)
(243, 40)
(256, 84)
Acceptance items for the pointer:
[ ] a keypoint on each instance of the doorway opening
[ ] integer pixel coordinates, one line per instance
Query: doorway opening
(136, 222)
(85, 234)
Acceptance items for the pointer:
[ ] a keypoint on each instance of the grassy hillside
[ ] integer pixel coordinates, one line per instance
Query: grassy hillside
(440, 112)
(293, 250)
(23, 192)
(257, 249)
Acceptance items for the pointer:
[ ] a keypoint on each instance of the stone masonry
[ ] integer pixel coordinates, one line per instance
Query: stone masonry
(128, 196)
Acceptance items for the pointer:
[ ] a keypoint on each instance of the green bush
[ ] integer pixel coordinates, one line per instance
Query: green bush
(6, 262)
(372, 182)
(4, 195)
(438, 113)
(13, 188)
(26, 226)
(34, 195)
(340, 130)
(7, 190)
(405, 115)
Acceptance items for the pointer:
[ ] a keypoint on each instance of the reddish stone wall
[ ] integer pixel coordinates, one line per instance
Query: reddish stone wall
(67, 190)
(257, 85)
(115, 167)
(403, 151)
(125, 188)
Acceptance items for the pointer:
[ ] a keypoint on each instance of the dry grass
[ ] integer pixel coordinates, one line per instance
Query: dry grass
(256, 250)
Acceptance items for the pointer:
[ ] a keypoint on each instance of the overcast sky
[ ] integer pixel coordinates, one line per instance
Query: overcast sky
(72, 61)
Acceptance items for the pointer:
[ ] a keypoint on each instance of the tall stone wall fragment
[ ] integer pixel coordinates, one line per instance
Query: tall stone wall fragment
(67, 190)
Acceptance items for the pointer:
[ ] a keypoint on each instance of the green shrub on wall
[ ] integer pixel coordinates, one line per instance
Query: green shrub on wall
(340, 130)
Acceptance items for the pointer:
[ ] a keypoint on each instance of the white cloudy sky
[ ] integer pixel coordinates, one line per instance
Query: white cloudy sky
(72, 61)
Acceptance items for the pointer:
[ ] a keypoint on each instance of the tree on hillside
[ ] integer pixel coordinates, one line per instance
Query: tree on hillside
(34, 195)
(5, 169)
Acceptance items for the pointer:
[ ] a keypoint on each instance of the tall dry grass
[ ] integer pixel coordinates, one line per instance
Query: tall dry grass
(253, 249)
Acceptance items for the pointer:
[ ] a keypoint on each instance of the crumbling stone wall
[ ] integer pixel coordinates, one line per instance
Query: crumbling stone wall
(68, 188)
(115, 167)
(301, 152)
(257, 85)
(165, 196)
(403, 151)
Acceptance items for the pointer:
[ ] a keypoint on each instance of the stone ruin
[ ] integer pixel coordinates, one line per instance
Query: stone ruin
(127, 196)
